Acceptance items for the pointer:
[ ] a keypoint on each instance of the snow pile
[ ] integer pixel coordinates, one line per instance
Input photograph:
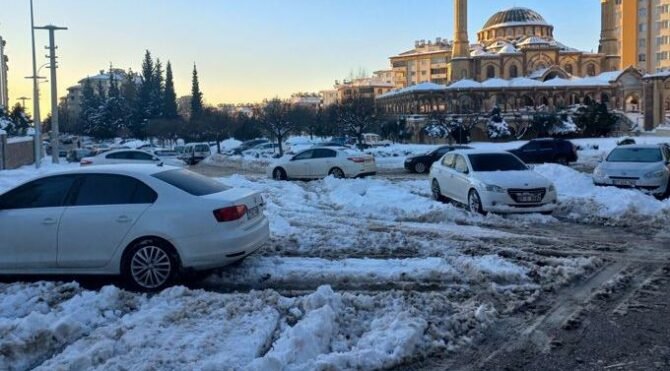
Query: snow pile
(581, 200)
(492, 266)
(565, 127)
(498, 129)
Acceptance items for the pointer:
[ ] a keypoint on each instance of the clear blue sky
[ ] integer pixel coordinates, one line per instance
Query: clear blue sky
(247, 50)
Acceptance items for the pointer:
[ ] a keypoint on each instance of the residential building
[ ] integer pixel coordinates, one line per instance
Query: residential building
(308, 100)
(72, 102)
(639, 31)
(328, 97)
(4, 89)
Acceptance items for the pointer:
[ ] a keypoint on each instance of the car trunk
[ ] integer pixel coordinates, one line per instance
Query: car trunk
(253, 201)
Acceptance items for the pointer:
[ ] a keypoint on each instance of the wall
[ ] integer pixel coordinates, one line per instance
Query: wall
(16, 152)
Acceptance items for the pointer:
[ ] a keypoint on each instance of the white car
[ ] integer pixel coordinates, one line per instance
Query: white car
(147, 223)
(643, 167)
(315, 163)
(121, 156)
(195, 152)
(497, 182)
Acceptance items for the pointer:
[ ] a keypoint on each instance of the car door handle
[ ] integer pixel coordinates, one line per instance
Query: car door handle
(123, 219)
(49, 221)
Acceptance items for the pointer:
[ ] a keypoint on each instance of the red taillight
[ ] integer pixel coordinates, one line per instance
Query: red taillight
(85, 162)
(357, 160)
(228, 214)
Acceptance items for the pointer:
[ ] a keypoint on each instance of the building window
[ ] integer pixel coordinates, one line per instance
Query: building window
(490, 72)
(642, 58)
(591, 69)
(438, 71)
(513, 71)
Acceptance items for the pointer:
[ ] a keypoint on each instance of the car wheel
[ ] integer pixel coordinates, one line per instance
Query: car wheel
(336, 172)
(561, 160)
(279, 174)
(436, 191)
(149, 265)
(420, 168)
(475, 202)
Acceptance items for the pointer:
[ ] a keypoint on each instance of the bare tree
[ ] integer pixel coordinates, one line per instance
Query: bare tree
(357, 117)
(275, 119)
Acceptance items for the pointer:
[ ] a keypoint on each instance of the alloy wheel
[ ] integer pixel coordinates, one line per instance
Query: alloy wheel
(474, 203)
(337, 173)
(150, 267)
(420, 167)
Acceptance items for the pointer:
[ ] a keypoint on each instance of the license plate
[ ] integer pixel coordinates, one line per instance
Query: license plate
(624, 182)
(529, 198)
(253, 212)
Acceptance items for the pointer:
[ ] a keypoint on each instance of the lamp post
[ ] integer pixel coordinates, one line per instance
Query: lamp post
(36, 98)
(23, 101)
(54, 90)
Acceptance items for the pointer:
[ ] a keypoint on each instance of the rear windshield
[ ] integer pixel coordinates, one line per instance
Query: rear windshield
(635, 155)
(193, 183)
(496, 162)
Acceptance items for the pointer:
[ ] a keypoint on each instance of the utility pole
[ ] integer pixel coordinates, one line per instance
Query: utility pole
(23, 101)
(54, 90)
(36, 97)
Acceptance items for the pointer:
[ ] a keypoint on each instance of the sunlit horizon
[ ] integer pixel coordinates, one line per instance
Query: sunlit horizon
(252, 50)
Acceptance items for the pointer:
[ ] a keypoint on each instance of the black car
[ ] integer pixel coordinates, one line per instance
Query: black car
(539, 151)
(422, 163)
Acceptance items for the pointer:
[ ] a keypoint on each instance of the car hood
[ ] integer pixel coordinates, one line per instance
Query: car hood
(630, 168)
(513, 179)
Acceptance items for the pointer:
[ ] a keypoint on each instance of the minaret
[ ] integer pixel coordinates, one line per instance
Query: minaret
(461, 43)
(460, 52)
(609, 37)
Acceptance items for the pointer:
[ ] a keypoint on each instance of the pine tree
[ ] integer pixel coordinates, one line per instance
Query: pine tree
(169, 95)
(113, 91)
(20, 119)
(130, 95)
(157, 90)
(196, 96)
(101, 92)
(146, 87)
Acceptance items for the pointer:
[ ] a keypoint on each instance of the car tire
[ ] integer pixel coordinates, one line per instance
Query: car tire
(337, 173)
(149, 265)
(475, 202)
(279, 174)
(420, 168)
(436, 191)
(562, 160)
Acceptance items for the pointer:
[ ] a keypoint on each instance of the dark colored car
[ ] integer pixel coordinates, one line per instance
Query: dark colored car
(422, 163)
(540, 151)
(249, 144)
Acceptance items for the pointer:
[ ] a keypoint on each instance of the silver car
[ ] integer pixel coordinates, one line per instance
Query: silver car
(644, 167)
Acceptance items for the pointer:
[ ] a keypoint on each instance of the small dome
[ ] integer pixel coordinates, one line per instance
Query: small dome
(515, 16)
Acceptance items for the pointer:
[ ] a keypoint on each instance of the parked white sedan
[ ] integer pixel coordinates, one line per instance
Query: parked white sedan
(147, 223)
(320, 162)
(121, 156)
(497, 182)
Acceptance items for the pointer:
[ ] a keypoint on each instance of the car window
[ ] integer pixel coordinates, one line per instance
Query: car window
(531, 146)
(112, 189)
(546, 145)
(496, 162)
(44, 192)
(125, 155)
(190, 182)
(324, 153)
(442, 151)
(459, 164)
(304, 155)
(635, 155)
(448, 160)
(202, 148)
(143, 156)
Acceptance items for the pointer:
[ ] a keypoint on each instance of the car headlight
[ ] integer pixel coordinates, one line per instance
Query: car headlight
(655, 174)
(494, 188)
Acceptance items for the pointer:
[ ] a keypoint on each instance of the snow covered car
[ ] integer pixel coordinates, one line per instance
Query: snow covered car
(316, 163)
(147, 223)
(644, 167)
(121, 156)
(497, 182)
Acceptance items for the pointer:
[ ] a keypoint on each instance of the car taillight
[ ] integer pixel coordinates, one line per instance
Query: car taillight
(229, 214)
(85, 162)
(357, 160)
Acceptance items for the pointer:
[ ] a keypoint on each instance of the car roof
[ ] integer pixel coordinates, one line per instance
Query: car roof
(123, 169)
(479, 152)
(641, 146)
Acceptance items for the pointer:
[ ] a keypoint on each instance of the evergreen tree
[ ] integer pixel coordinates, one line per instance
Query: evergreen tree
(157, 90)
(146, 87)
(20, 119)
(196, 96)
(169, 95)
(113, 91)
(102, 95)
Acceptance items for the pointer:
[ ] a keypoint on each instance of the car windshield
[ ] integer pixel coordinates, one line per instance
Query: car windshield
(635, 155)
(495, 162)
(193, 183)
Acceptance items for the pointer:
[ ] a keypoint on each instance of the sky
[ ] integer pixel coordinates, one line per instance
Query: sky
(247, 50)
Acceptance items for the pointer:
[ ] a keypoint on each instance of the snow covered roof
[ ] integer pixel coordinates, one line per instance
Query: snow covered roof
(524, 82)
(562, 46)
(533, 40)
(538, 73)
(423, 87)
(657, 74)
(508, 49)
(478, 52)
(465, 84)
(495, 83)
